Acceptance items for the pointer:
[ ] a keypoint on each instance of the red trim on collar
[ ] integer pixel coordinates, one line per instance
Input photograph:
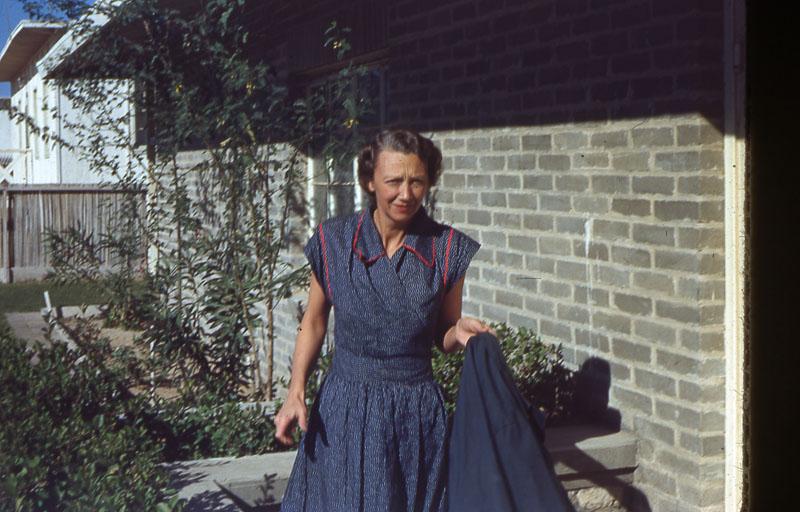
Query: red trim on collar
(325, 259)
(447, 256)
(428, 263)
(355, 240)
(422, 258)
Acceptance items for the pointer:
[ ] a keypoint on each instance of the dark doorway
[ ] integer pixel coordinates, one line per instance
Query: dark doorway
(772, 113)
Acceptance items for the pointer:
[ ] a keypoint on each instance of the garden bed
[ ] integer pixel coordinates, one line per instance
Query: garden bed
(124, 339)
(67, 321)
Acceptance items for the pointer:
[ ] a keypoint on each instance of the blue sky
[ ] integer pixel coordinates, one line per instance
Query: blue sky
(11, 12)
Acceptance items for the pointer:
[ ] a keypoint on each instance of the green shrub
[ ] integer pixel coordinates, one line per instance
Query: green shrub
(538, 371)
(70, 439)
(74, 437)
(216, 430)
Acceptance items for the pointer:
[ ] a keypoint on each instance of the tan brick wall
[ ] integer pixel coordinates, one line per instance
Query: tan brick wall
(608, 239)
(583, 149)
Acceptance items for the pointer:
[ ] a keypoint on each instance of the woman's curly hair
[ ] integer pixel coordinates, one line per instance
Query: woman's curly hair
(402, 141)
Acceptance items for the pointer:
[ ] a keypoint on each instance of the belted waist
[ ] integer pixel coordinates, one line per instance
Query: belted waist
(406, 369)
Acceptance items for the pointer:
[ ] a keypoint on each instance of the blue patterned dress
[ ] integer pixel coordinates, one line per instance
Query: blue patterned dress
(377, 431)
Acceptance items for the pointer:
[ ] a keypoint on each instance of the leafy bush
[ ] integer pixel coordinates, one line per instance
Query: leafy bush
(70, 439)
(538, 371)
(220, 227)
(74, 437)
(215, 430)
(77, 258)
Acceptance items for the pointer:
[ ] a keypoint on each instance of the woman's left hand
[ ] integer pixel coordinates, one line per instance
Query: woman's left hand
(467, 327)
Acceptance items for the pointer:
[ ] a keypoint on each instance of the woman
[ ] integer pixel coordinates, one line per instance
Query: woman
(375, 439)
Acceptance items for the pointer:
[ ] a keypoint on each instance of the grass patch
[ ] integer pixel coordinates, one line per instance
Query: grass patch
(28, 296)
(5, 329)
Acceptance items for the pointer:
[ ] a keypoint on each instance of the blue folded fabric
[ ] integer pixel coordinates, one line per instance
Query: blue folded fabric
(496, 457)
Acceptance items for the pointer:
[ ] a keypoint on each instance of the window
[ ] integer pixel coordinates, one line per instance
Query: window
(334, 190)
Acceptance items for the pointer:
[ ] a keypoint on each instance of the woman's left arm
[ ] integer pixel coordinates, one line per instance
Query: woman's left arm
(454, 330)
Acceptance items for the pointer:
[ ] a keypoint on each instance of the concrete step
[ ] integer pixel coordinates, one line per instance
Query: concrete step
(258, 480)
(594, 464)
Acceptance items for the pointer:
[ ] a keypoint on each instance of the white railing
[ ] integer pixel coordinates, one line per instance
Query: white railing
(19, 169)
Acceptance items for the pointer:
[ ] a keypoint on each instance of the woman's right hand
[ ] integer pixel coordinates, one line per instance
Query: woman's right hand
(292, 412)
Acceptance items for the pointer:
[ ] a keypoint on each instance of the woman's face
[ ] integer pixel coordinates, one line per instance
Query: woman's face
(400, 182)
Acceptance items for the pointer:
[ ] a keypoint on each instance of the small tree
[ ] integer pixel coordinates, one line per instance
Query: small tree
(218, 228)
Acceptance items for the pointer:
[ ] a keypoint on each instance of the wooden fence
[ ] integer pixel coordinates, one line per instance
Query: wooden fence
(27, 212)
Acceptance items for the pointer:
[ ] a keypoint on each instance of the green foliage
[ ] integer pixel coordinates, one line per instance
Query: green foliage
(110, 261)
(55, 9)
(212, 429)
(73, 434)
(538, 371)
(219, 228)
(69, 438)
(74, 437)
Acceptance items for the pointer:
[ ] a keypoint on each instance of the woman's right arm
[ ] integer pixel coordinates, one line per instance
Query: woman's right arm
(306, 350)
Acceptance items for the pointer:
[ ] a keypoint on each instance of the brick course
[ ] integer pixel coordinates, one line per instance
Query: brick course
(642, 293)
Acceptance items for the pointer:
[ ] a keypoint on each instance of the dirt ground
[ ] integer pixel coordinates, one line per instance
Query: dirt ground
(125, 338)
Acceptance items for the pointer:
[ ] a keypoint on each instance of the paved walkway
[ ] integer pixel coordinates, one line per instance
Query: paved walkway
(30, 327)
(257, 480)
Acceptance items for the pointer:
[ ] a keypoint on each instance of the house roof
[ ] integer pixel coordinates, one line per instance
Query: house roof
(25, 41)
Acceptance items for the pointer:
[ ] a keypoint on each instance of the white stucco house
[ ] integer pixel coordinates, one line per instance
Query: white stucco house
(35, 157)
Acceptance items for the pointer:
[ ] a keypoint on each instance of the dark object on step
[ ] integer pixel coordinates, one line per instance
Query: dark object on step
(497, 459)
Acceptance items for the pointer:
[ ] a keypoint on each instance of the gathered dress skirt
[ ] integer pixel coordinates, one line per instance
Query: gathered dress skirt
(371, 445)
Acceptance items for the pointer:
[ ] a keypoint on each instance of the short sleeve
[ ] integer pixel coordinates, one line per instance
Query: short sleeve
(316, 257)
(459, 252)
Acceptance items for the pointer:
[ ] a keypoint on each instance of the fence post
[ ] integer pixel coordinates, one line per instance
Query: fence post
(7, 228)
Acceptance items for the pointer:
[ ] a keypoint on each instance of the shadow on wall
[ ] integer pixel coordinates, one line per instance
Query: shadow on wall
(458, 64)
(484, 64)
(592, 385)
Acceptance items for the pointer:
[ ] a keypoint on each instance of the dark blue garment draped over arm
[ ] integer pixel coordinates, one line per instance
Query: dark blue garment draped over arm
(497, 461)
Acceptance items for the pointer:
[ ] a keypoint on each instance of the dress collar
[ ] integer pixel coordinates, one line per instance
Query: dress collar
(420, 238)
